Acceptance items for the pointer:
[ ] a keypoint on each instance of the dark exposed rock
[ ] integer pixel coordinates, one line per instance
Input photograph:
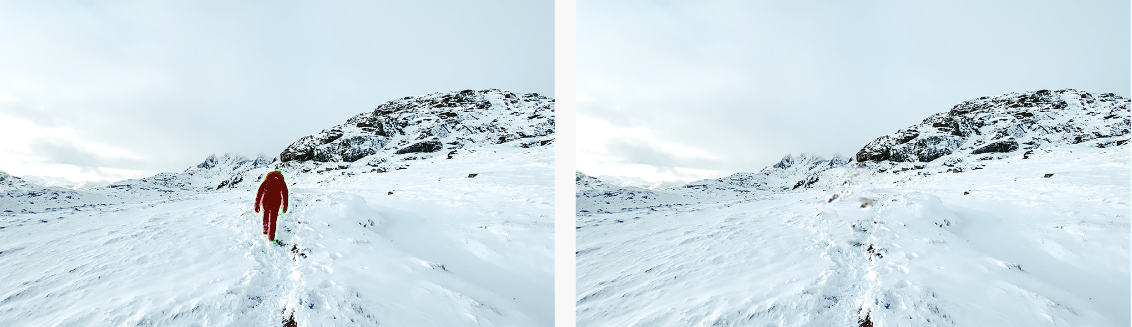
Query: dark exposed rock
(301, 150)
(353, 154)
(208, 162)
(232, 182)
(426, 146)
(1000, 146)
(332, 135)
(905, 136)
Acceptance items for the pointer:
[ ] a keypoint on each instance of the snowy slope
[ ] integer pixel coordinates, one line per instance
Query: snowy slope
(595, 195)
(423, 246)
(989, 125)
(789, 173)
(430, 123)
(624, 181)
(21, 195)
(996, 243)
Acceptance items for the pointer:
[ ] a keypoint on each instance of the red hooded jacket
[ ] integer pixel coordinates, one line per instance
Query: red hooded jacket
(272, 192)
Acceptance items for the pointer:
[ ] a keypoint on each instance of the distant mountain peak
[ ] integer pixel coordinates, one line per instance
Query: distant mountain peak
(9, 182)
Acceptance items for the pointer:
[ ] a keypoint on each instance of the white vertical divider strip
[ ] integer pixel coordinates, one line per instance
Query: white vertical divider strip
(564, 166)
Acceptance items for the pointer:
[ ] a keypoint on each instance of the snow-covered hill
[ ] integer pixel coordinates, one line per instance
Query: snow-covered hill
(431, 123)
(460, 240)
(789, 173)
(984, 127)
(23, 195)
(597, 196)
(1037, 235)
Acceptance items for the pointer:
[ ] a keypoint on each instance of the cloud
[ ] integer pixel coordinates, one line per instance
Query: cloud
(32, 149)
(175, 81)
(56, 150)
(637, 151)
(752, 81)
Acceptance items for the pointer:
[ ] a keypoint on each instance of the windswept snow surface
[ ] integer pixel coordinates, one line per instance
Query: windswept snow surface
(442, 249)
(1000, 245)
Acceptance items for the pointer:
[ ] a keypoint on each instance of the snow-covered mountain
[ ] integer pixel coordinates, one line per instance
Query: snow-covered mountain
(398, 133)
(431, 123)
(984, 127)
(23, 196)
(459, 237)
(12, 183)
(789, 173)
(597, 196)
(49, 181)
(1007, 210)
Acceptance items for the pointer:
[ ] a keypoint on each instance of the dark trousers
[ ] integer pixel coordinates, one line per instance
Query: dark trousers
(270, 216)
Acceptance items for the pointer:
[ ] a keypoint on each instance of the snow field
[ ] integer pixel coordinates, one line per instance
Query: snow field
(900, 249)
(442, 250)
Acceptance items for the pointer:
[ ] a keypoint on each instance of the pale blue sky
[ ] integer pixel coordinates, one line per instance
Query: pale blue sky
(694, 89)
(114, 89)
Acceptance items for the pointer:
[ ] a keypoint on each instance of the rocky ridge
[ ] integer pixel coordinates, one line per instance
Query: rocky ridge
(987, 128)
(1006, 123)
(430, 123)
(401, 131)
(390, 137)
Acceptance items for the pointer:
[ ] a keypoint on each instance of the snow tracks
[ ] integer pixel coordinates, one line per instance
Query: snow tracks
(868, 256)
(866, 281)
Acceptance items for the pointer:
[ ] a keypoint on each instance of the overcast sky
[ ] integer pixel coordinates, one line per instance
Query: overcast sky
(94, 90)
(671, 90)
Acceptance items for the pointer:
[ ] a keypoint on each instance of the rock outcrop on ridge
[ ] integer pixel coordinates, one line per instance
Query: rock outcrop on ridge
(431, 123)
(413, 128)
(398, 131)
(957, 140)
(1005, 123)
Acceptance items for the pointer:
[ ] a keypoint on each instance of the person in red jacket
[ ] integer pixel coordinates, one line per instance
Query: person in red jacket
(272, 193)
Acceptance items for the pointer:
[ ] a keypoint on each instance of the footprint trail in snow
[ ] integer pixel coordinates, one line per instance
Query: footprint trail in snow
(1000, 246)
(443, 250)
